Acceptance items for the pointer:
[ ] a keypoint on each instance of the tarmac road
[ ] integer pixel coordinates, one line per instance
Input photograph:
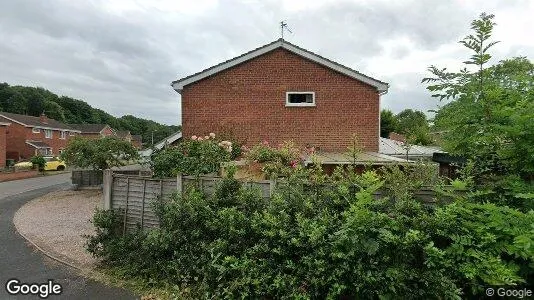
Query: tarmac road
(21, 261)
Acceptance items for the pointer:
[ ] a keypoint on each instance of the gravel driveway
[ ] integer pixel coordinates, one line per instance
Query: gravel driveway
(57, 221)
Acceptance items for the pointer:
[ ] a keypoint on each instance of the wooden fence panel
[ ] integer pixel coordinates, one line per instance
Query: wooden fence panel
(133, 197)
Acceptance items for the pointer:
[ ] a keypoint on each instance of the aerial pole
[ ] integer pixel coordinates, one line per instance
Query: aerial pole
(283, 26)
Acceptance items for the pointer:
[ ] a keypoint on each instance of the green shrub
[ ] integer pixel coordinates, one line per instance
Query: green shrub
(318, 240)
(277, 161)
(38, 161)
(191, 157)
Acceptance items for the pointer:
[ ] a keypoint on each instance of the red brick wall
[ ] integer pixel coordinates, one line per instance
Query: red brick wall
(107, 131)
(248, 101)
(16, 141)
(3, 149)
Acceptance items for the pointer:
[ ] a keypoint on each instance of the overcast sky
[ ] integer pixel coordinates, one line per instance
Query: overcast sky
(121, 55)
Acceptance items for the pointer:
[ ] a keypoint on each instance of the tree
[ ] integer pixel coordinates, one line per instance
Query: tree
(99, 154)
(414, 125)
(388, 123)
(489, 113)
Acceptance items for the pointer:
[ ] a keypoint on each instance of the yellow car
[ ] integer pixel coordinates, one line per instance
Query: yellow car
(52, 164)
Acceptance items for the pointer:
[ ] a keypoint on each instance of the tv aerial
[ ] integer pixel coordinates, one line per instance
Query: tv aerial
(283, 26)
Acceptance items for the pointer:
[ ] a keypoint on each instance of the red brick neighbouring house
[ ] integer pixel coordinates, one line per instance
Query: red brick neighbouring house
(3, 130)
(281, 92)
(28, 136)
(93, 131)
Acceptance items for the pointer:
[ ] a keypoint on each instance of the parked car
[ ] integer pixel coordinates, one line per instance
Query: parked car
(52, 164)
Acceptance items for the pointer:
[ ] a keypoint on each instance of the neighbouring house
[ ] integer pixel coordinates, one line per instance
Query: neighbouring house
(168, 141)
(94, 131)
(124, 135)
(398, 149)
(137, 141)
(3, 150)
(281, 92)
(28, 136)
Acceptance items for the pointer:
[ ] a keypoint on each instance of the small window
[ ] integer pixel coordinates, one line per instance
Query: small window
(48, 133)
(71, 133)
(63, 135)
(300, 99)
(36, 130)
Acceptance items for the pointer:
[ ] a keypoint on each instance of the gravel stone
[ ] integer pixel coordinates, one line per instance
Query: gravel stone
(57, 222)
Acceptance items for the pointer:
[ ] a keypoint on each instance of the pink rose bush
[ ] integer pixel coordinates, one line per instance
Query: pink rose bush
(277, 161)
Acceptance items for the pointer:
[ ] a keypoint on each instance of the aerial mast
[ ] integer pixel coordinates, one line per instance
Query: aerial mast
(283, 26)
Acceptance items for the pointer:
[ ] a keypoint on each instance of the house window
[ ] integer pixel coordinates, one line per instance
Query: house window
(71, 133)
(63, 135)
(300, 99)
(48, 133)
(36, 130)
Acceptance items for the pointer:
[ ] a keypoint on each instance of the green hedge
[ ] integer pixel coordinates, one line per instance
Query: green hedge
(337, 244)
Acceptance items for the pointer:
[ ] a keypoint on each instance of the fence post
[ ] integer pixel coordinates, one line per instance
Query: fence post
(143, 204)
(179, 184)
(108, 186)
(272, 186)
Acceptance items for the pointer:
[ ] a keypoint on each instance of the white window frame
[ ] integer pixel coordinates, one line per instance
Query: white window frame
(62, 135)
(300, 104)
(47, 135)
(36, 130)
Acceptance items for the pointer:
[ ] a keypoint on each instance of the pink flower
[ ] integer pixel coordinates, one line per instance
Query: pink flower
(194, 138)
(212, 135)
(207, 137)
(199, 138)
(293, 164)
(265, 143)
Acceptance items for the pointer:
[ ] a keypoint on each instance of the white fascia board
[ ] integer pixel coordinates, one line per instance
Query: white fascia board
(168, 140)
(53, 128)
(381, 87)
(38, 147)
(178, 86)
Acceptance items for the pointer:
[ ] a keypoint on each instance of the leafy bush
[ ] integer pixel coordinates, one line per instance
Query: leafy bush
(99, 154)
(38, 161)
(277, 161)
(312, 240)
(192, 157)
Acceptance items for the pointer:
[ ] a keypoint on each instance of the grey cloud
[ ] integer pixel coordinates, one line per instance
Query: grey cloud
(123, 63)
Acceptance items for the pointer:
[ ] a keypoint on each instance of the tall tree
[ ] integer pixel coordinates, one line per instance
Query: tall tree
(489, 113)
(388, 122)
(414, 125)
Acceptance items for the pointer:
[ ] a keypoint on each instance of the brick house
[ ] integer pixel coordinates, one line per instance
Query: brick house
(93, 131)
(281, 92)
(124, 135)
(28, 136)
(3, 133)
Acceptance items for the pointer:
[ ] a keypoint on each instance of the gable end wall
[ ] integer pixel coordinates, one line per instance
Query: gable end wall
(248, 102)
